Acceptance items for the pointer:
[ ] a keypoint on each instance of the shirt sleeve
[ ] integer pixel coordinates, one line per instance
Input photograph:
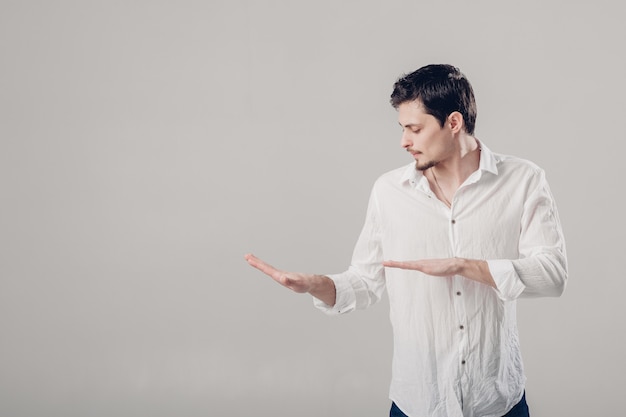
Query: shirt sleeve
(541, 270)
(363, 284)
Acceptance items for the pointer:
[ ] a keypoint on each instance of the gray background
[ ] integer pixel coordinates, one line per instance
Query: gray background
(146, 146)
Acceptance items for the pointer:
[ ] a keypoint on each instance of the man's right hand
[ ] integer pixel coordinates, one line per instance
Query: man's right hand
(318, 286)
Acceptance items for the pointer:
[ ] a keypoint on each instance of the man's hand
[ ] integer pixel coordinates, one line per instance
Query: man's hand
(300, 283)
(318, 286)
(437, 267)
(473, 269)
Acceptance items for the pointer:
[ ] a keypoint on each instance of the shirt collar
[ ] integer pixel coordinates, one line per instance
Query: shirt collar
(488, 163)
(488, 160)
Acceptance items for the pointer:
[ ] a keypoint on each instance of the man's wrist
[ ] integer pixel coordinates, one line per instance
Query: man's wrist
(323, 288)
(461, 266)
(475, 269)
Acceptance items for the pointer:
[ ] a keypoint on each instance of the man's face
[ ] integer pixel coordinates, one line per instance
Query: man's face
(422, 136)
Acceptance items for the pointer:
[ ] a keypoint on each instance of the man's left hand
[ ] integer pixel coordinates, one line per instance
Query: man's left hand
(437, 267)
(474, 269)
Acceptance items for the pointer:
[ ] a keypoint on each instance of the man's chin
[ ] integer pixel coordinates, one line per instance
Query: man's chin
(424, 166)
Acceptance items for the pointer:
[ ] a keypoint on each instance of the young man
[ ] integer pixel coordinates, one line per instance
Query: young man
(455, 238)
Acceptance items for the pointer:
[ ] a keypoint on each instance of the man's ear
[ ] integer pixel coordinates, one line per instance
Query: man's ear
(457, 124)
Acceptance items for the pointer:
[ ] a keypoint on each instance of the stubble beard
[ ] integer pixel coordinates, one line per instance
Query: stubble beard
(425, 166)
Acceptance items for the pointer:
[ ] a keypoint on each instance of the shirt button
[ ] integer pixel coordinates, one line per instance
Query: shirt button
(461, 327)
(463, 362)
(458, 293)
(453, 221)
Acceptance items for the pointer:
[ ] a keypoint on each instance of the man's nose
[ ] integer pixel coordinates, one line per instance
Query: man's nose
(405, 141)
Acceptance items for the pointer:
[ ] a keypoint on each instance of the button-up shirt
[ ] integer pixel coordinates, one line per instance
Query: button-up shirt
(456, 347)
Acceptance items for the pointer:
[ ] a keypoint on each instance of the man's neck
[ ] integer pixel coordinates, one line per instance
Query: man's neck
(452, 172)
(462, 163)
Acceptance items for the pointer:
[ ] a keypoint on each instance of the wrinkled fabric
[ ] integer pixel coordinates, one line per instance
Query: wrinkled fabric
(456, 345)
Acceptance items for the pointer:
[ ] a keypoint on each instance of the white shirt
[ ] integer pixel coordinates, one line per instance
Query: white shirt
(456, 346)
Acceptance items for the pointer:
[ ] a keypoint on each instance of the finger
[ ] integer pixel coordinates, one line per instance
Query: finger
(262, 266)
(393, 264)
(401, 265)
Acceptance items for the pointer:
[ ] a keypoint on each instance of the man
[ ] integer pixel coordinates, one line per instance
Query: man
(455, 238)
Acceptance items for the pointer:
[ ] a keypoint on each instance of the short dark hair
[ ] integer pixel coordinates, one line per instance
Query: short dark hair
(442, 89)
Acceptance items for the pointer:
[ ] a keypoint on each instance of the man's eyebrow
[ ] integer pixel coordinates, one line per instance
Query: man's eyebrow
(410, 124)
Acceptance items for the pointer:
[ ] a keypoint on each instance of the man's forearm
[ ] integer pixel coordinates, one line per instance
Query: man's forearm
(323, 288)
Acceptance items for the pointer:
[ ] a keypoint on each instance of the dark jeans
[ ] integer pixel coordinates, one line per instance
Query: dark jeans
(519, 410)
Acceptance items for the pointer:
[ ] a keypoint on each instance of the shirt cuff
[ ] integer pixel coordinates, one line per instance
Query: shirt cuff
(508, 284)
(345, 299)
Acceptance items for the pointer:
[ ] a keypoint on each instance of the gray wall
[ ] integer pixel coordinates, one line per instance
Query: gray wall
(146, 146)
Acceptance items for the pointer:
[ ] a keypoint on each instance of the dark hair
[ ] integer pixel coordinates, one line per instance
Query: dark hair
(442, 90)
